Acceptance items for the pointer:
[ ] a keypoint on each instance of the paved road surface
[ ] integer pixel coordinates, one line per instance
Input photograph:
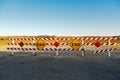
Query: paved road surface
(59, 68)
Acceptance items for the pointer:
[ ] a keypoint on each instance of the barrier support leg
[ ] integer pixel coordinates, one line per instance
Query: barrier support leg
(83, 51)
(83, 54)
(56, 53)
(12, 53)
(34, 54)
(109, 52)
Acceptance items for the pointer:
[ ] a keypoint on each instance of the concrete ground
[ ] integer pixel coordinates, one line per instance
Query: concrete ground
(68, 66)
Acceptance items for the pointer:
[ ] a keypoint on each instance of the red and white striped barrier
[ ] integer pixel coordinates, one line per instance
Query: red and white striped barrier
(57, 43)
(22, 49)
(59, 49)
(99, 38)
(112, 44)
(63, 44)
(105, 50)
(59, 38)
(45, 49)
(28, 44)
(88, 38)
(20, 39)
(102, 44)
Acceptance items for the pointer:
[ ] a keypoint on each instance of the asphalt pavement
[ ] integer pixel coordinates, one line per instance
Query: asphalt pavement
(62, 67)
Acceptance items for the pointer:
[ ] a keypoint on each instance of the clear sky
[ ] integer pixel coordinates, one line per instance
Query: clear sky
(60, 17)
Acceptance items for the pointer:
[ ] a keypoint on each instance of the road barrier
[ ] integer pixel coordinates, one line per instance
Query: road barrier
(60, 44)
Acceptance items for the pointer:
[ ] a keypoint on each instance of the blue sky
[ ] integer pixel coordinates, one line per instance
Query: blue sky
(60, 17)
